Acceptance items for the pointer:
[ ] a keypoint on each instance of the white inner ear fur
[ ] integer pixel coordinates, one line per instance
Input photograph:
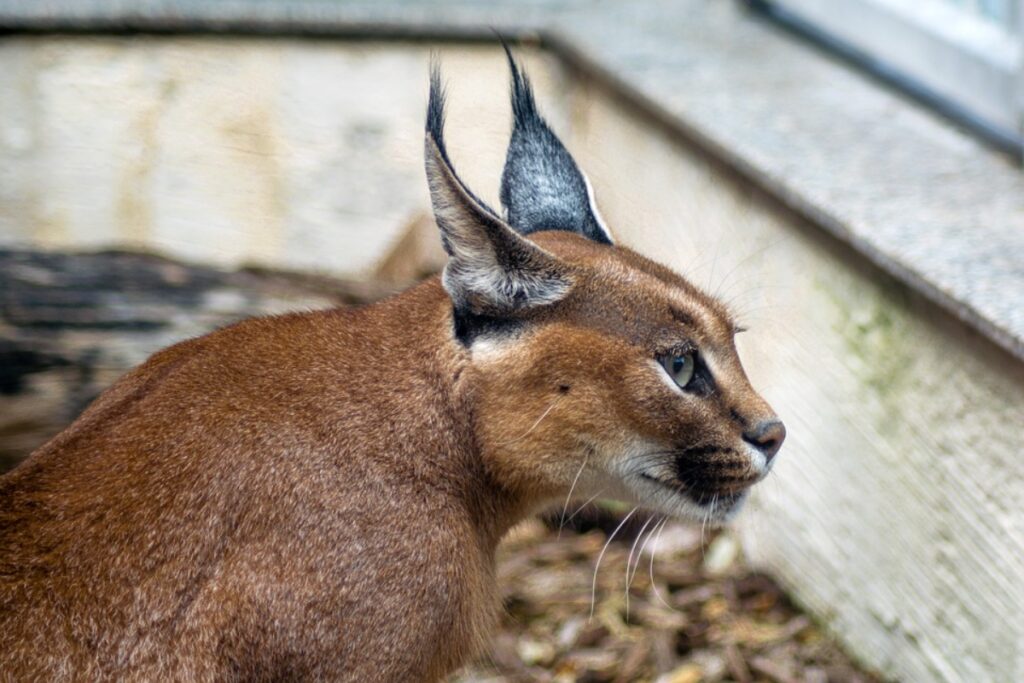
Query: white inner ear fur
(479, 273)
(474, 267)
(593, 207)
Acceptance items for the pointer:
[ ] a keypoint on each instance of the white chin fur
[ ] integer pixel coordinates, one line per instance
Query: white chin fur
(626, 482)
(660, 498)
(757, 459)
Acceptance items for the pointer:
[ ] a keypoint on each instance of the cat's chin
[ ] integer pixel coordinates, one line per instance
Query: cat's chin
(707, 507)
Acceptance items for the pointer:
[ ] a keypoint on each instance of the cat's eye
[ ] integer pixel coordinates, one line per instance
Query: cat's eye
(680, 368)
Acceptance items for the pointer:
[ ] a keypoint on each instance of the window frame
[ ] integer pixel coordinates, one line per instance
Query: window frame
(969, 68)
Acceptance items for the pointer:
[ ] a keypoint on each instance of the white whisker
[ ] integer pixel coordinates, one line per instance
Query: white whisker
(643, 546)
(535, 424)
(703, 525)
(654, 552)
(629, 560)
(593, 587)
(587, 502)
(568, 497)
(719, 294)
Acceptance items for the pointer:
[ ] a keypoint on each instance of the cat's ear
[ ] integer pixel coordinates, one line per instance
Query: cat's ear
(542, 188)
(491, 270)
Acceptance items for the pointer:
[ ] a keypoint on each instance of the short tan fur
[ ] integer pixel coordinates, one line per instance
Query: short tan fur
(320, 495)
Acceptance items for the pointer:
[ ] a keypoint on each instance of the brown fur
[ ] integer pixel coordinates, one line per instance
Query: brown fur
(274, 500)
(320, 495)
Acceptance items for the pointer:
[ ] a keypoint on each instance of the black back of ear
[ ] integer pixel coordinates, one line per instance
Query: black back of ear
(542, 188)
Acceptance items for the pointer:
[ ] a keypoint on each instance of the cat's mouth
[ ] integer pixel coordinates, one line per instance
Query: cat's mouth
(704, 491)
(703, 484)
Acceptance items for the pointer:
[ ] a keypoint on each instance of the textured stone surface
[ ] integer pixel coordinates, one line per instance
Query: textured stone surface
(236, 151)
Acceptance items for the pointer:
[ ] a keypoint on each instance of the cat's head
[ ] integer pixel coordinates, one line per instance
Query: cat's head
(597, 371)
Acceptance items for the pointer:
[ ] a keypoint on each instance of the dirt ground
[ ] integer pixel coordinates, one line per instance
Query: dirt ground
(692, 611)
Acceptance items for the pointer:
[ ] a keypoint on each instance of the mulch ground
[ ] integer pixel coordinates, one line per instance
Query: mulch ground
(667, 607)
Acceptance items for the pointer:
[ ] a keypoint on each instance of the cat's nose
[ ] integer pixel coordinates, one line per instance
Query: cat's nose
(766, 436)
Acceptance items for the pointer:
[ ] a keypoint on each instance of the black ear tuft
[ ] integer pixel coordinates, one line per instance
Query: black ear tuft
(542, 188)
(435, 129)
(435, 106)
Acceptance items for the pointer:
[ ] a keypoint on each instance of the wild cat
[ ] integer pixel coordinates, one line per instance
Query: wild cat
(320, 495)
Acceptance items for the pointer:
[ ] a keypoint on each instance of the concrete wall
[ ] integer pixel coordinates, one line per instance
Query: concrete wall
(296, 154)
(895, 511)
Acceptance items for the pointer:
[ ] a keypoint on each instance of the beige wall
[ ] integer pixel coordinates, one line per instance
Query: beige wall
(228, 151)
(896, 510)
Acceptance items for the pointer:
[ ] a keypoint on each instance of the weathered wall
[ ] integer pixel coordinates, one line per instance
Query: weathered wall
(895, 511)
(297, 154)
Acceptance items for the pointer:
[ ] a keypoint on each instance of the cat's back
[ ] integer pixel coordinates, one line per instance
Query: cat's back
(269, 449)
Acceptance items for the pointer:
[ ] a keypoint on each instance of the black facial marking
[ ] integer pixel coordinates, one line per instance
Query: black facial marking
(682, 316)
(697, 451)
(469, 326)
(702, 383)
(702, 473)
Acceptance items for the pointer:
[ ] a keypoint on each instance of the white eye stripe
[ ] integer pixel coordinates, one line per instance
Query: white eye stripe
(713, 367)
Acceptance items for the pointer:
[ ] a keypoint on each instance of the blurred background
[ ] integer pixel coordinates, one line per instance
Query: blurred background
(845, 175)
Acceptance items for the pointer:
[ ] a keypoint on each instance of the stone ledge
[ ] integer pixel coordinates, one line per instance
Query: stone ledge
(917, 197)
